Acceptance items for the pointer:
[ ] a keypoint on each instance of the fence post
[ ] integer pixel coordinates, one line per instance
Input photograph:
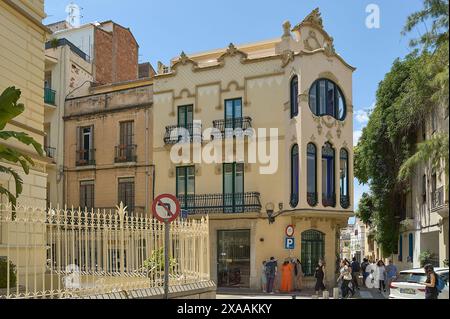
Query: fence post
(122, 238)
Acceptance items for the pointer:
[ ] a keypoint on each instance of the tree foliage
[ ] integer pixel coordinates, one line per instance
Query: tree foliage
(366, 209)
(10, 108)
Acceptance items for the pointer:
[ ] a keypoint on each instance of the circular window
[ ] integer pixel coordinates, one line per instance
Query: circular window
(326, 98)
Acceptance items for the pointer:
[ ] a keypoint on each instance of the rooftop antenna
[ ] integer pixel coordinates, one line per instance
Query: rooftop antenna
(74, 15)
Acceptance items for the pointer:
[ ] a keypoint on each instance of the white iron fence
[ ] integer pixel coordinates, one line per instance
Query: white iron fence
(61, 253)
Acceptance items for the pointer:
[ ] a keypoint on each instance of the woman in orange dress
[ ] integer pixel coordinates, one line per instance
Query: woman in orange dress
(286, 277)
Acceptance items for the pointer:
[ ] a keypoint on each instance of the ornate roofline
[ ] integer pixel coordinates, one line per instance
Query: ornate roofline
(313, 20)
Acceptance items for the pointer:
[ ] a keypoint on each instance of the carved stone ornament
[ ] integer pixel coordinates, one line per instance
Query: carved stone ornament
(313, 138)
(287, 57)
(339, 132)
(183, 58)
(232, 50)
(329, 49)
(319, 129)
(314, 223)
(311, 43)
(329, 136)
(286, 29)
(314, 18)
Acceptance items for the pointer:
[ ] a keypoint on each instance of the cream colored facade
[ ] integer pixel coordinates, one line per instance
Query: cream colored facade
(67, 74)
(109, 160)
(22, 38)
(260, 75)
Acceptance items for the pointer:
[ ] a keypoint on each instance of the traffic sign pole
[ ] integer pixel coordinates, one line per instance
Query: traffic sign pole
(166, 259)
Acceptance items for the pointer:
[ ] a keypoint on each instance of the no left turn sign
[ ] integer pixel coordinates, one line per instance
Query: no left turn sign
(166, 208)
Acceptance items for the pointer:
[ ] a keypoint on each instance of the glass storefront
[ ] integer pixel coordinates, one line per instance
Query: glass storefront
(233, 258)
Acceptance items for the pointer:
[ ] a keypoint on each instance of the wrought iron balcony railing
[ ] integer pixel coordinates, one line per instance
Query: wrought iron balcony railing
(125, 154)
(85, 157)
(49, 96)
(437, 198)
(221, 203)
(345, 201)
(242, 123)
(329, 200)
(186, 134)
(50, 152)
(312, 199)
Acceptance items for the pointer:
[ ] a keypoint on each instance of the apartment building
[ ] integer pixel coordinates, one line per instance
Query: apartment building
(296, 84)
(424, 224)
(107, 147)
(22, 36)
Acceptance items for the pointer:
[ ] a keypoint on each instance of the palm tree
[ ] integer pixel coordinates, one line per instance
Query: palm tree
(9, 109)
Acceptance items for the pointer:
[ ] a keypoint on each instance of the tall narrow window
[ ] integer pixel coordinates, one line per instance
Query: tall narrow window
(233, 187)
(233, 114)
(126, 193)
(294, 97)
(312, 174)
(411, 247)
(186, 119)
(344, 181)
(126, 151)
(186, 186)
(400, 249)
(87, 195)
(424, 188)
(295, 166)
(85, 151)
(328, 176)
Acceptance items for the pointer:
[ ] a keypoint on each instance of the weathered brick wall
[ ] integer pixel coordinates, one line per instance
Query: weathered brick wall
(125, 55)
(103, 56)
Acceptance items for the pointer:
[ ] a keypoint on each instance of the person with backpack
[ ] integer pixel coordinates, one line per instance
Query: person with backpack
(356, 268)
(364, 265)
(434, 283)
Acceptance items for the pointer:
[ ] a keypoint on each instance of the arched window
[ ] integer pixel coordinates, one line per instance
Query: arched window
(295, 166)
(326, 98)
(328, 176)
(344, 182)
(312, 174)
(313, 250)
(294, 97)
(411, 248)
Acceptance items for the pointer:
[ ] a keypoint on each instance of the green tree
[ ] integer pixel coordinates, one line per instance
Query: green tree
(366, 209)
(9, 109)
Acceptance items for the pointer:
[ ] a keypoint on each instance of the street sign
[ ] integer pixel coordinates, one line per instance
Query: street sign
(166, 208)
(290, 231)
(289, 243)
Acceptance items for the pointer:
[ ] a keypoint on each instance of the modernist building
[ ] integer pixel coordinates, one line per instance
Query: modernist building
(296, 84)
(22, 65)
(107, 147)
(424, 224)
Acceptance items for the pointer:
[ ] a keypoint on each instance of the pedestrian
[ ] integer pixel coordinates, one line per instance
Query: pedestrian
(356, 268)
(263, 277)
(286, 277)
(320, 276)
(431, 291)
(372, 278)
(271, 272)
(346, 278)
(381, 271)
(364, 265)
(391, 272)
(298, 271)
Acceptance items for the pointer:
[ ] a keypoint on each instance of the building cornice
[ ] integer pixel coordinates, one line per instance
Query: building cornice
(35, 21)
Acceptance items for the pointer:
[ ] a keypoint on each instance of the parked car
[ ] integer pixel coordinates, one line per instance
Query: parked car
(409, 284)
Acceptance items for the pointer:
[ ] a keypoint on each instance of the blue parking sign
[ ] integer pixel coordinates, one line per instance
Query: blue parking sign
(289, 243)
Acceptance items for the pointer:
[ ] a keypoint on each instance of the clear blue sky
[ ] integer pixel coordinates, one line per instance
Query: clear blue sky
(165, 28)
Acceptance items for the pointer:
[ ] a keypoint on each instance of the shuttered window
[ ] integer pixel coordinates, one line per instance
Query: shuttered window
(126, 193)
(87, 195)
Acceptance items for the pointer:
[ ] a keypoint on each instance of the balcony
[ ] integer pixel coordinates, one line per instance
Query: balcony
(49, 96)
(243, 123)
(329, 200)
(85, 158)
(221, 203)
(125, 154)
(183, 134)
(345, 201)
(50, 152)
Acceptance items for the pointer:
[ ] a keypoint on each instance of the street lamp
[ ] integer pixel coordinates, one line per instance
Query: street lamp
(270, 210)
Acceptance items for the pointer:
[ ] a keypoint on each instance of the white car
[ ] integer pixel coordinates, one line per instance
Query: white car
(409, 284)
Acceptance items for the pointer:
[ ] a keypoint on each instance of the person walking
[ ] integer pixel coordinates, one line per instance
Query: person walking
(346, 278)
(356, 268)
(431, 291)
(391, 273)
(263, 277)
(364, 265)
(372, 278)
(381, 272)
(286, 277)
(320, 276)
(298, 271)
(271, 272)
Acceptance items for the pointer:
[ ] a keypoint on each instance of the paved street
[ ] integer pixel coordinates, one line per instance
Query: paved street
(251, 294)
